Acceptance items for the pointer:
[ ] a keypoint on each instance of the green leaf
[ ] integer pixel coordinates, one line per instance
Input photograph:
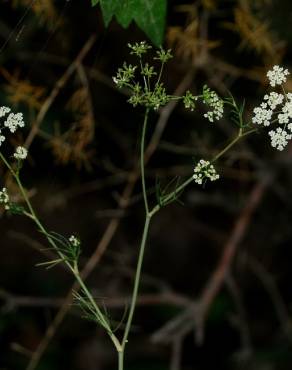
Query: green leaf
(109, 8)
(148, 14)
(150, 17)
(125, 12)
(94, 2)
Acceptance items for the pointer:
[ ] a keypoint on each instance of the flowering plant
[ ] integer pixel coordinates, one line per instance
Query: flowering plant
(276, 108)
(147, 91)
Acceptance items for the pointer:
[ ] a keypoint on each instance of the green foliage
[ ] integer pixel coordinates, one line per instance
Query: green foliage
(149, 15)
(145, 83)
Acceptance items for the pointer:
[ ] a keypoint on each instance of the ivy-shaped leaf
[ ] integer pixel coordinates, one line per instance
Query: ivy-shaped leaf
(109, 8)
(94, 2)
(125, 12)
(148, 14)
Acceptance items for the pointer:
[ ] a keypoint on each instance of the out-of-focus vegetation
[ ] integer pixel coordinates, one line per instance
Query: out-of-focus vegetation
(57, 60)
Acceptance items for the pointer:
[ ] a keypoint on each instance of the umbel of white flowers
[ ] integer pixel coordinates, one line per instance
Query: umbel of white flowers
(204, 170)
(276, 108)
(4, 199)
(11, 122)
(20, 153)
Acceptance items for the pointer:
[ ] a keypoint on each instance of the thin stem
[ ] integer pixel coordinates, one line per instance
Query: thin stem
(74, 269)
(101, 317)
(144, 78)
(233, 142)
(176, 191)
(173, 194)
(121, 360)
(224, 150)
(137, 281)
(160, 72)
(142, 165)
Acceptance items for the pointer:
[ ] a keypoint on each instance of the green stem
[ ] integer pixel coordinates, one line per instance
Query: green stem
(240, 135)
(137, 281)
(160, 73)
(142, 164)
(173, 194)
(74, 269)
(101, 317)
(121, 360)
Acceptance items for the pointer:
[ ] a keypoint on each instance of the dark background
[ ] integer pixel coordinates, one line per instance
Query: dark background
(79, 164)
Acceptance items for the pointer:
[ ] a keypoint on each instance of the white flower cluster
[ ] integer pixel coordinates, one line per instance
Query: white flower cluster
(276, 108)
(4, 111)
(215, 103)
(279, 138)
(12, 122)
(74, 241)
(4, 198)
(204, 170)
(277, 75)
(20, 153)
(262, 115)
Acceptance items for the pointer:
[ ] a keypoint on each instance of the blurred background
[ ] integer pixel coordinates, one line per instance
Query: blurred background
(216, 284)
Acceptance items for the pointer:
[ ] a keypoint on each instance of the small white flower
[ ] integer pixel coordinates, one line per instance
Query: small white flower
(4, 198)
(262, 115)
(286, 113)
(4, 111)
(20, 153)
(287, 108)
(74, 241)
(2, 138)
(279, 138)
(212, 99)
(277, 75)
(13, 121)
(283, 118)
(204, 170)
(274, 99)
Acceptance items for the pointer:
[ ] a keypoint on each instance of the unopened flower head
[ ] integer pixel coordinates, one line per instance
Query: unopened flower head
(216, 104)
(20, 153)
(203, 170)
(4, 198)
(139, 48)
(277, 75)
(124, 75)
(189, 100)
(163, 55)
